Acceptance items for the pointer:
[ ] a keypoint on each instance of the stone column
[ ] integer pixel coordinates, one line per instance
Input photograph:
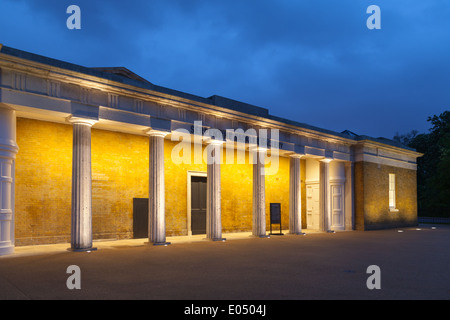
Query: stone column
(156, 204)
(324, 201)
(259, 194)
(213, 193)
(81, 233)
(295, 197)
(8, 151)
(349, 196)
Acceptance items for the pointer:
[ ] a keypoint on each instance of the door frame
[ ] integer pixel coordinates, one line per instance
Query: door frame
(312, 184)
(337, 183)
(191, 174)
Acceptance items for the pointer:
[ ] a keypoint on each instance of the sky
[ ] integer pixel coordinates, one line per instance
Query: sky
(311, 61)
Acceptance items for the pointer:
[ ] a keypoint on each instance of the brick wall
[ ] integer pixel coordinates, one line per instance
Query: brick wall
(43, 182)
(372, 197)
(120, 164)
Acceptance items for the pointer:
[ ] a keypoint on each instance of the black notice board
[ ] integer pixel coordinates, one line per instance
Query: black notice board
(275, 216)
(275, 213)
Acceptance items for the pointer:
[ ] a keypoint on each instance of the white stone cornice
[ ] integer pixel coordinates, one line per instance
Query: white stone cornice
(37, 71)
(375, 153)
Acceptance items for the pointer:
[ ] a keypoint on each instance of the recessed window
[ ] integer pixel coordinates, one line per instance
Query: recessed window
(392, 194)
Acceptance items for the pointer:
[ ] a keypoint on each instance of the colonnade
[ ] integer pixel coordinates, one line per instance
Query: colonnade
(81, 229)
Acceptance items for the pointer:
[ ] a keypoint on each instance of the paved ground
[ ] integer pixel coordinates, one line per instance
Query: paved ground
(414, 264)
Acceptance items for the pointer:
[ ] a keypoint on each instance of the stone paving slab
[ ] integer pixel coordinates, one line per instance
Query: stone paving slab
(414, 264)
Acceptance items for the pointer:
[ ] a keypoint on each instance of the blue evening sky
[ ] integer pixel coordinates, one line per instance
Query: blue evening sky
(312, 61)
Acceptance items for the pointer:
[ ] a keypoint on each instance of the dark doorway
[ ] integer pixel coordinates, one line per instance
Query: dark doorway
(140, 218)
(198, 205)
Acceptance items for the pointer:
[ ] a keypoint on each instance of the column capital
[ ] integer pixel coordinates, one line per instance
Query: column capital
(211, 141)
(156, 133)
(78, 120)
(257, 149)
(297, 155)
(326, 160)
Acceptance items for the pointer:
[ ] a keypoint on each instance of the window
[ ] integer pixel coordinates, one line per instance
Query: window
(392, 207)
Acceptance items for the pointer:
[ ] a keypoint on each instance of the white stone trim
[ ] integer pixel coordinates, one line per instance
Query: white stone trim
(380, 154)
(8, 150)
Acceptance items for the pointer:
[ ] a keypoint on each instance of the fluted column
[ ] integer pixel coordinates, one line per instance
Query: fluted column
(213, 192)
(295, 198)
(156, 205)
(8, 151)
(81, 233)
(349, 196)
(324, 187)
(259, 193)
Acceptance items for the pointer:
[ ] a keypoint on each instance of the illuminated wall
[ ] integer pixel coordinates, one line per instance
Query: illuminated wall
(43, 182)
(277, 191)
(237, 190)
(372, 197)
(120, 164)
(176, 190)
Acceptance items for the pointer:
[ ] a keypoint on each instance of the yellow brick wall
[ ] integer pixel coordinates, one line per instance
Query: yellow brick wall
(176, 190)
(372, 197)
(120, 169)
(43, 182)
(277, 191)
(119, 173)
(237, 190)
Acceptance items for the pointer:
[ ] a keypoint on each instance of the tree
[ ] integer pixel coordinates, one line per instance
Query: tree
(433, 169)
(407, 138)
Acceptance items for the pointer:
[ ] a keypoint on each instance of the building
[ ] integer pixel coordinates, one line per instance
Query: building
(100, 153)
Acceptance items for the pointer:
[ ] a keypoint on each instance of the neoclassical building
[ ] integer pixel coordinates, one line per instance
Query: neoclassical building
(101, 153)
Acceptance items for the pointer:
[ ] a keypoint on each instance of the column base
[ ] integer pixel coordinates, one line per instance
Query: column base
(218, 239)
(82, 249)
(261, 236)
(6, 250)
(297, 233)
(158, 244)
(331, 231)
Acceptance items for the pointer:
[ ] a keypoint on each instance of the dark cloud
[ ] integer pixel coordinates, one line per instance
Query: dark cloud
(311, 61)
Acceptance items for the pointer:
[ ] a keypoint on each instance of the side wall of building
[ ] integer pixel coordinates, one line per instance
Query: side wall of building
(372, 196)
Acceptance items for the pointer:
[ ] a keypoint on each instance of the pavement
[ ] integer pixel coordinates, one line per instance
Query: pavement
(414, 263)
